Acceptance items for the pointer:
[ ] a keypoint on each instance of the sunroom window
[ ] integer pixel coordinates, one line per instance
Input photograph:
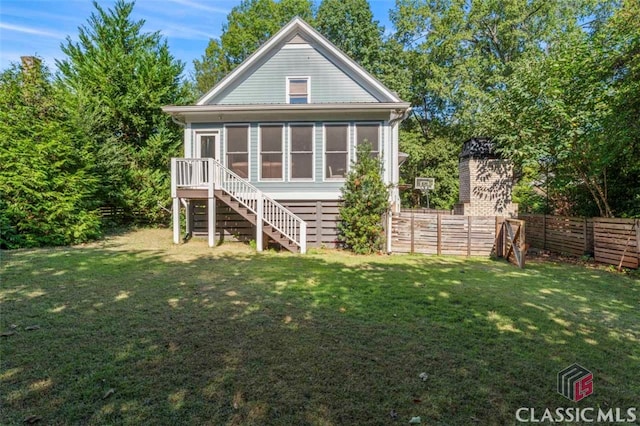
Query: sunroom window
(336, 154)
(370, 133)
(271, 152)
(237, 150)
(302, 151)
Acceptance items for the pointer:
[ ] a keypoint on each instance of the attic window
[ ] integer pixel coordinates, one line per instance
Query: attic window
(298, 90)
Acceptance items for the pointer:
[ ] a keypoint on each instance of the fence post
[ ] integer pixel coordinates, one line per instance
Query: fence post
(469, 235)
(544, 231)
(638, 239)
(439, 246)
(584, 235)
(412, 231)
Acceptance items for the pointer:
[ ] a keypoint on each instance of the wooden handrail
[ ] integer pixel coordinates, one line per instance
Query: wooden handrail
(205, 172)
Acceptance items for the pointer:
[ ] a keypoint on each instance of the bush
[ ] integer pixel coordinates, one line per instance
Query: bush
(365, 199)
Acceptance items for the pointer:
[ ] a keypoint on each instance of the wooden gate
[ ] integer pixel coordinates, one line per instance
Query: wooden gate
(510, 241)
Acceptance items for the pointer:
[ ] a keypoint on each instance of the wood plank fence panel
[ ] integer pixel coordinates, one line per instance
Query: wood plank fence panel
(617, 241)
(610, 240)
(561, 234)
(417, 232)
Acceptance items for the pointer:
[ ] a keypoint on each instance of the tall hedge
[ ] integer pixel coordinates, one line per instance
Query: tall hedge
(46, 179)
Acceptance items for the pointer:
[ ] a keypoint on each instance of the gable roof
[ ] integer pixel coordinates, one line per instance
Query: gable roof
(299, 28)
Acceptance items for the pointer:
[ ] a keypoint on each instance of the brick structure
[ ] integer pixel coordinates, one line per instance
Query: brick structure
(486, 181)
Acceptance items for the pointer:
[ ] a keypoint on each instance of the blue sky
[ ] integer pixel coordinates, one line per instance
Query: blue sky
(29, 27)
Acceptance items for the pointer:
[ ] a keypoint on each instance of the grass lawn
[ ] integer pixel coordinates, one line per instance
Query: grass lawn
(134, 330)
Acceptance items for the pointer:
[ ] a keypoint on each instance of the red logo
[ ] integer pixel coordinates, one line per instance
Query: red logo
(575, 382)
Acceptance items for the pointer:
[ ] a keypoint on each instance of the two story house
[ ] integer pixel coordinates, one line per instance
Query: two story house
(267, 149)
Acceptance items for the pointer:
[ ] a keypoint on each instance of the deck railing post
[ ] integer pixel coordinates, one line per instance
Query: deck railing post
(303, 237)
(259, 220)
(176, 220)
(174, 177)
(211, 210)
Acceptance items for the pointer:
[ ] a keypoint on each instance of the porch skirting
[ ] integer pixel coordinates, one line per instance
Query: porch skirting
(321, 216)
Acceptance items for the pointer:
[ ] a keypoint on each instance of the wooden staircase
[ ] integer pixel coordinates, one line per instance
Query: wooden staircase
(207, 179)
(270, 231)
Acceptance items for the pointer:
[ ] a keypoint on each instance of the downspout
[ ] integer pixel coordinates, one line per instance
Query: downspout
(178, 122)
(395, 195)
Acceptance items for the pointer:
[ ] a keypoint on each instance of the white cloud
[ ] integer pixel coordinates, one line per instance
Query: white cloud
(197, 5)
(31, 30)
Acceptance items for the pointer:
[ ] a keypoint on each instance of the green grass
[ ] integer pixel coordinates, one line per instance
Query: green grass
(192, 335)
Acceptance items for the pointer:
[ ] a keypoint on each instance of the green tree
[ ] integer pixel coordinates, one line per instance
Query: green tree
(46, 179)
(119, 78)
(572, 116)
(349, 24)
(248, 26)
(365, 199)
(460, 53)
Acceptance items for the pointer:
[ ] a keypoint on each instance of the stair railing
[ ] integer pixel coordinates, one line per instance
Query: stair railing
(194, 172)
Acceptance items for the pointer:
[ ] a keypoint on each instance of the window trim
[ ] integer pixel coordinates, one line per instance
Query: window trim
(355, 133)
(282, 151)
(288, 87)
(313, 151)
(325, 178)
(226, 146)
(198, 133)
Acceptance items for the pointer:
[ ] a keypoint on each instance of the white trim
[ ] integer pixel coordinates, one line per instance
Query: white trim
(297, 46)
(282, 156)
(199, 133)
(226, 146)
(307, 195)
(288, 86)
(297, 24)
(187, 141)
(324, 150)
(313, 151)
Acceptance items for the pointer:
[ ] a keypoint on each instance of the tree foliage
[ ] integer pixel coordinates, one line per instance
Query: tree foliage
(460, 54)
(365, 199)
(46, 179)
(248, 26)
(349, 24)
(571, 114)
(119, 77)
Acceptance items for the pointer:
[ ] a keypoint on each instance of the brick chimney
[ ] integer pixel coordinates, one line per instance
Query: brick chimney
(486, 181)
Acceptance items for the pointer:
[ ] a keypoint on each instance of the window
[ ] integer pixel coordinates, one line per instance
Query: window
(336, 142)
(298, 90)
(237, 154)
(271, 152)
(302, 151)
(370, 133)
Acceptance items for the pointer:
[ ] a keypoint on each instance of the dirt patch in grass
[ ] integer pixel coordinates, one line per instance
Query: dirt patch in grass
(135, 330)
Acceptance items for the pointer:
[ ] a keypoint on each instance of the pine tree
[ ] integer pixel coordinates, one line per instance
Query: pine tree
(46, 176)
(365, 199)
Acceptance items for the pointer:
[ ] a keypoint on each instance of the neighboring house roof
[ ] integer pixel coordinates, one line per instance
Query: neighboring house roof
(296, 29)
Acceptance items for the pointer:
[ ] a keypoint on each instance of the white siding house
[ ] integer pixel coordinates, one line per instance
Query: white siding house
(271, 143)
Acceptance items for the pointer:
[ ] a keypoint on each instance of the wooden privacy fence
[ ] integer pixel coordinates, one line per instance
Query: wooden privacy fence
(561, 234)
(611, 241)
(617, 241)
(415, 232)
